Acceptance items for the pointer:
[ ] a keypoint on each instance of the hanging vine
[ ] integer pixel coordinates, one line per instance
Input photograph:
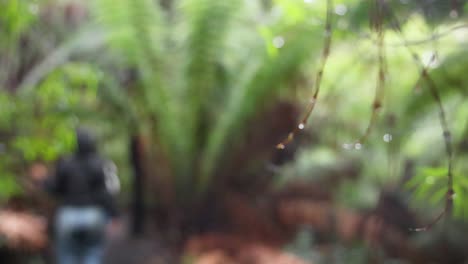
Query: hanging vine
(432, 87)
(376, 24)
(318, 79)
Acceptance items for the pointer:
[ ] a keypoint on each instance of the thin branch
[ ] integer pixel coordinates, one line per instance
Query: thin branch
(447, 211)
(415, 42)
(430, 39)
(424, 75)
(380, 86)
(318, 79)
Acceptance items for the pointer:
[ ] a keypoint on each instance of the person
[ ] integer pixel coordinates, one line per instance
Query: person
(84, 185)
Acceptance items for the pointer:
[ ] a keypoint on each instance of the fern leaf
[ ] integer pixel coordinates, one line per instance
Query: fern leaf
(244, 100)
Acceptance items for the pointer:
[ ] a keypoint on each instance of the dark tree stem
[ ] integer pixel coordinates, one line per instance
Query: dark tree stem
(136, 161)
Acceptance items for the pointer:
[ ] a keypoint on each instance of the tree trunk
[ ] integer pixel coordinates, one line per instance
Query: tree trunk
(138, 210)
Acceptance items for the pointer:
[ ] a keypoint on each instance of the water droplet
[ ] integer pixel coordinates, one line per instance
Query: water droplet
(420, 229)
(430, 59)
(301, 126)
(341, 9)
(347, 146)
(358, 146)
(278, 42)
(387, 137)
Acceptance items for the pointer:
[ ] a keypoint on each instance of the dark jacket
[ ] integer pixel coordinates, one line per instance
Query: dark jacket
(80, 179)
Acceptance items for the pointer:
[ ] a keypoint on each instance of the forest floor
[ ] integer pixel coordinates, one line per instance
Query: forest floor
(256, 234)
(122, 248)
(213, 248)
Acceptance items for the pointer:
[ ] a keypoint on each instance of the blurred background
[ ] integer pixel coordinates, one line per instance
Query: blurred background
(193, 100)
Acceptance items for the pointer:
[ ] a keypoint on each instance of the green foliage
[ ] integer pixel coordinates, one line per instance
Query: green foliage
(271, 76)
(134, 27)
(449, 78)
(435, 12)
(7, 108)
(209, 26)
(408, 127)
(39, 124)
(430, 184)
(195, 76)
(16, 17)
(196, 123)
(8, 185)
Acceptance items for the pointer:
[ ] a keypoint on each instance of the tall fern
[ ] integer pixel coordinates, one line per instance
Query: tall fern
(134, 28)
(266, 82)
(196, 140)
(209, 22)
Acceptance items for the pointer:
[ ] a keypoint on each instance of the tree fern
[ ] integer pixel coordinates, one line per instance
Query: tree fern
(244, 100)
(209, 22)
(134, 28)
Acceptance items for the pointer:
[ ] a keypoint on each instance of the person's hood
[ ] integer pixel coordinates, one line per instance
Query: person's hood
(85, 142)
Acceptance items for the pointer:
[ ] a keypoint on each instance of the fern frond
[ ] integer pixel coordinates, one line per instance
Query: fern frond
(135, 28)
(244, 100)
(209, 22)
